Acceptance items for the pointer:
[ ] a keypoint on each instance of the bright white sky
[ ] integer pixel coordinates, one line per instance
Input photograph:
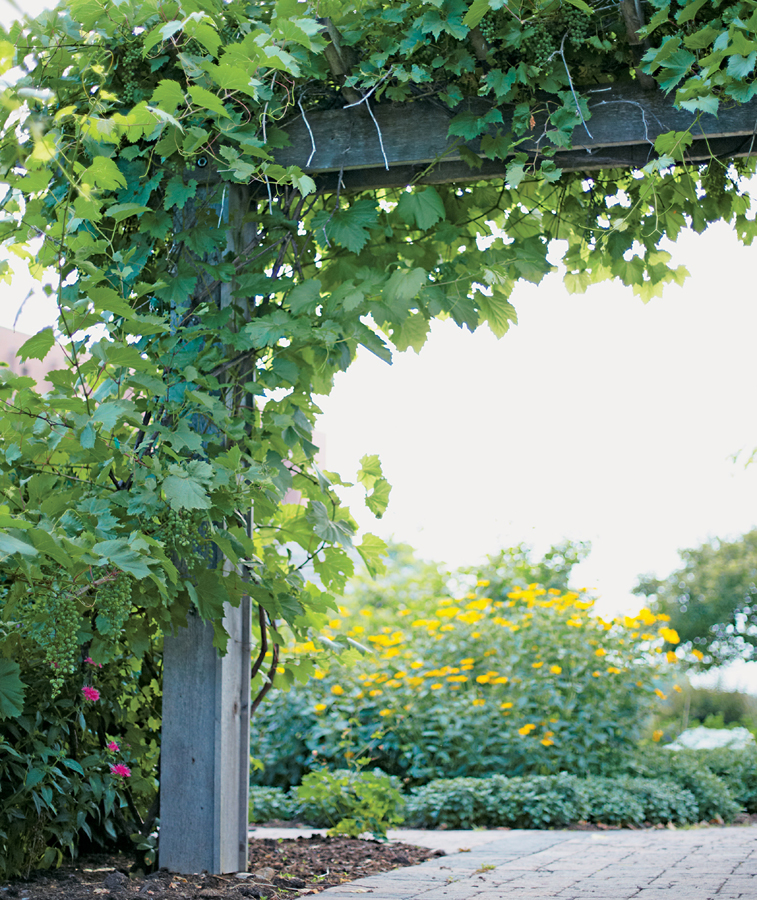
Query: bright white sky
(596, 418)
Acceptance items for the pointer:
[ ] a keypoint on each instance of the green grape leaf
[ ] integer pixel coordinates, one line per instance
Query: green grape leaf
(38, 346)
(207, 100)
(476, 11)
(334, 532)
(424, 208)
(11, 690)
(347, 227)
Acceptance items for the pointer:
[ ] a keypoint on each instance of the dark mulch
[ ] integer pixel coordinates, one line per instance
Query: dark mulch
(279, 870)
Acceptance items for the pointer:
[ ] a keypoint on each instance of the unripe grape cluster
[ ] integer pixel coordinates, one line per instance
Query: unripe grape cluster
(113, 603)
(490, 26)
(59, 633)
(129, 67)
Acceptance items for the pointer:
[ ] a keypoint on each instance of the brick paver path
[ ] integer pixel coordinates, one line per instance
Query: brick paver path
(696, 864)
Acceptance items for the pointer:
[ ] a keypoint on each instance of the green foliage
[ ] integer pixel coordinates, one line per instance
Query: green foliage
(350, 801)
(738, 769)
(712, 599)
(207, 294)
(270, 803)
(689, 770)
(521, 681)
(550, 801)
(57, 787)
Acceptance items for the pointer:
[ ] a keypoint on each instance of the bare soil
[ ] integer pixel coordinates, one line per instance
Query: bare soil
(278, 870)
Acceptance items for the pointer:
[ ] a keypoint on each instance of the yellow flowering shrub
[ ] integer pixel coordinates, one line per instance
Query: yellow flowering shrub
(466, 690)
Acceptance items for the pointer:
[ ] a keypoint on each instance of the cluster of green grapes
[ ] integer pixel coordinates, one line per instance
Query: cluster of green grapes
(229, 34)
(491, 25)
(130, 66)
(113, 603)
(59, 632)
(577, 25)
(180, 533)
(546, 32)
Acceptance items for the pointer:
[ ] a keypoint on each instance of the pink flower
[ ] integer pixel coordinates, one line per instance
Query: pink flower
(88, 659)
(113, 746)
(120, 769)
(91, 694)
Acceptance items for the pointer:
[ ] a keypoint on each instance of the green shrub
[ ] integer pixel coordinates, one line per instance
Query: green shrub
(268, 803)
(738, 769)
(689, 770)
(550, 801)
(520, 682)
(57, 787)
(450, 803)
(663, 801)
(350, 801)
(521, 802)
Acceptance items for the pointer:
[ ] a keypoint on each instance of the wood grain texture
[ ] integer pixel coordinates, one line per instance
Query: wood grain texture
(625, 120)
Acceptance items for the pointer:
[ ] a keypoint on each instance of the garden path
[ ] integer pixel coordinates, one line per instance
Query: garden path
(690, 864)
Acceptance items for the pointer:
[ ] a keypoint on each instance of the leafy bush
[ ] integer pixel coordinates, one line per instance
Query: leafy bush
(737, 769)
(267, 803)
(551, 801)
(350, 801)
(689, 770)
(523, 682)
(60, 762)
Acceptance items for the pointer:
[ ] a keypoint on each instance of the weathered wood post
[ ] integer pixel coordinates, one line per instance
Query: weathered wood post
(205, 737)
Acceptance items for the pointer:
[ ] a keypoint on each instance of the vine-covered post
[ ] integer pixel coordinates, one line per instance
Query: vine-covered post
(205, 740)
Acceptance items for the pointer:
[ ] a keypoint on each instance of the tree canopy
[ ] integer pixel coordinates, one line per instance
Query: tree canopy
(207, 293)
(712, 599)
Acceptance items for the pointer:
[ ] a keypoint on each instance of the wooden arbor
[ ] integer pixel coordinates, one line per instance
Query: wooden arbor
(205, 741)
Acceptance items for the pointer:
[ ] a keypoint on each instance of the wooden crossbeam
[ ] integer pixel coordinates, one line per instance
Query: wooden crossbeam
(344, 144)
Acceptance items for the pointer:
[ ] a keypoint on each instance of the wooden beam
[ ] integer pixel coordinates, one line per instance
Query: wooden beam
(625, 120)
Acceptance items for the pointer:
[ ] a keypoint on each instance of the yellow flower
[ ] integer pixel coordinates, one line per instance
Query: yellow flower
(507, 705)
(600, 652)
(385, 712)
(470, 596)
(671, 657)
(555, 670)
(414, 681)
(476, 634)
(491, 652)
(416, 665)
(537, 665)
(337, 689)
(527, 729)
(697, 654)
(656, 735)
(460, 678)
(546, 741)
(478, 604)
(646, 616)
(483, 582)
(447, 627)
(375, 693)
(613, 670)
(677, 688)
(478, 702)
(393, 683)
(335, 623)
(437, 686)
(319, 707)
(669, 634)
(319, 674)
(503, 679)
(470, 617)
(596, 674)
(660, 694)
(468, 661)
